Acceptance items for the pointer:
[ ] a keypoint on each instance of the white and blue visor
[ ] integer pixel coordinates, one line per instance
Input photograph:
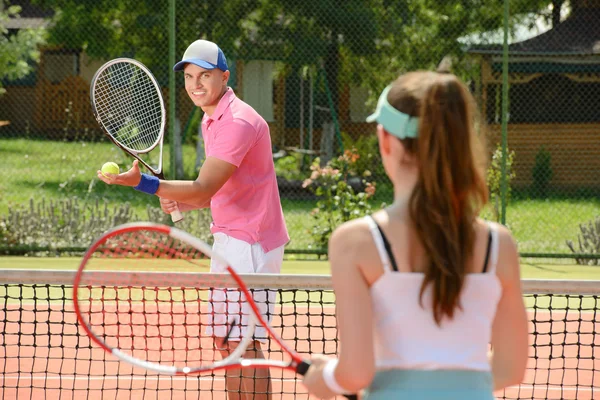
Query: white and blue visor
(393, 121)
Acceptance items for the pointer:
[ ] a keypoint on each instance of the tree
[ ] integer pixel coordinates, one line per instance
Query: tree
(365, 42)
(17, 49)
(107, 29)
(312, 33)
(418, 34)
(295, 32)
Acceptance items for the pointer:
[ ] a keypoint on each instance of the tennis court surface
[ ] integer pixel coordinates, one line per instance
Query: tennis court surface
(44, 354)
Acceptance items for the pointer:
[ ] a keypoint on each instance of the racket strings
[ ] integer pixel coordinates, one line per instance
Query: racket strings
(130, 123)
(129, 105)
(155, 321)
(136, 101)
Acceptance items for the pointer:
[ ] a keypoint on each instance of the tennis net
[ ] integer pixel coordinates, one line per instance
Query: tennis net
(44, 354)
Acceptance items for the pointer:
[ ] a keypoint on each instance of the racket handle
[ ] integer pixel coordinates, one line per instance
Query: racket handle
(303, 367)
(176, 216)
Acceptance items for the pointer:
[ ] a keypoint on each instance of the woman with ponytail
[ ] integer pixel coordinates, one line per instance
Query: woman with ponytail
(424, 286)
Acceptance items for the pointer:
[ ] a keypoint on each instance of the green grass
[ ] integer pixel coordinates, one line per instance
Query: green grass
(544, 225)
(533, 270)
(529, 270)
(72, 263)
(298, 221)
(55, 170)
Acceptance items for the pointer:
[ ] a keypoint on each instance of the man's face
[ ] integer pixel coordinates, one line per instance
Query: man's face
(205, 86)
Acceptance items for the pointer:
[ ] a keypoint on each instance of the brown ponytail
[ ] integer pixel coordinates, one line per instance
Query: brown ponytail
(450, 189)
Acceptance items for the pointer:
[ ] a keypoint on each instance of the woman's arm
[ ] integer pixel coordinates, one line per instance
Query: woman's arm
(356, 366)
(510, 335)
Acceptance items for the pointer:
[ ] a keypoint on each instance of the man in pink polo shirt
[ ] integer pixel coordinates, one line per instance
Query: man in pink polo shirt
(237, 181)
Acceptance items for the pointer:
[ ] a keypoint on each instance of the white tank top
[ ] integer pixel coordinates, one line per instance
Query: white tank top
(406, 335)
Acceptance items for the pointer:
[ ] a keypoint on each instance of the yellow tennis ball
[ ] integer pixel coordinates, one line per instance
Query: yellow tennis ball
(110, 168)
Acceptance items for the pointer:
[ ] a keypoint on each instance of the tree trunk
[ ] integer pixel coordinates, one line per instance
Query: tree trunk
(332, 67)
(556, 8)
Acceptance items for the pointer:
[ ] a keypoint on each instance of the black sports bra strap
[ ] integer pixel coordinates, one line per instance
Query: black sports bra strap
(487, 252)
(388, 248)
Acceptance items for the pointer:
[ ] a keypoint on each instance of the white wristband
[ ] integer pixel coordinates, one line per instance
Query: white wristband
(329, 377)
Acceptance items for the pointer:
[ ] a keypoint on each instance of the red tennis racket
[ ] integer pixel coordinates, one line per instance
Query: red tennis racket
(146, 324)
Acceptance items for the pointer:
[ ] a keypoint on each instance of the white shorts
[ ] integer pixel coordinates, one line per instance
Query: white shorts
(224, 304)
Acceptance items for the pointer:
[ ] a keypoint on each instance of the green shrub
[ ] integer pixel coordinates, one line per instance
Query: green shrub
(73, 223)
(289, 167)
(7, 238)
(338, 201)
(367, 148)
(494, 179)
(588, 242)
(64, 223)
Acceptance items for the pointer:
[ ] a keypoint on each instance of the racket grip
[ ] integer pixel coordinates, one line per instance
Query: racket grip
(176, 216)
(303, 367)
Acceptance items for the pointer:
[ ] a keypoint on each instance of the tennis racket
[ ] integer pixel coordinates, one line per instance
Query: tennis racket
(160, 323)
(128, 104)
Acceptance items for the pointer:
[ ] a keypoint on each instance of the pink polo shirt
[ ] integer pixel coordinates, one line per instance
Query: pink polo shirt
(247, 207)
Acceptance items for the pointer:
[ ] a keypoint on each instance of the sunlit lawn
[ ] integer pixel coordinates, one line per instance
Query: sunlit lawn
(529, 269)
(56, 170)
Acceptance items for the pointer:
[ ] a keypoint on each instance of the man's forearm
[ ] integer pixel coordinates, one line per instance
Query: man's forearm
(191, 193)
(212, 176)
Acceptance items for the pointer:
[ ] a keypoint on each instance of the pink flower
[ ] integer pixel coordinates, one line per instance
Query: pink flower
(370, 189)
(328, 171)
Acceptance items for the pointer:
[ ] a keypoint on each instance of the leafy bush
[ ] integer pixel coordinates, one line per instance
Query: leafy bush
(542, 172)
(294, 165)
(19, 51)
(72, 223)
(588, 242)
(367, 147)
(338, 200)
(64, 223)
(494, 179)
(289, 167)
(7, 238)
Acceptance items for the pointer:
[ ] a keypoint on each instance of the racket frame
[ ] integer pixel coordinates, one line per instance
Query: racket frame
(160, 138)
(235, 358)
(158, 171)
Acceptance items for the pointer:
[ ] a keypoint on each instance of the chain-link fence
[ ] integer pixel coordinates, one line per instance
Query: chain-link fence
(313, 69)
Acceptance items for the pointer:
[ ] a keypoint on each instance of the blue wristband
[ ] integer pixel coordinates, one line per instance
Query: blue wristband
(148, 184)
